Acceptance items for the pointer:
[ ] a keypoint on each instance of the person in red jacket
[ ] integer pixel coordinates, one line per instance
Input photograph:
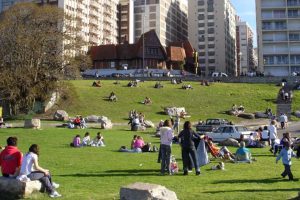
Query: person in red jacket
(11, 158)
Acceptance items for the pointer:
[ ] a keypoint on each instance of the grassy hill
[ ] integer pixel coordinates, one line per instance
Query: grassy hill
(201, 102)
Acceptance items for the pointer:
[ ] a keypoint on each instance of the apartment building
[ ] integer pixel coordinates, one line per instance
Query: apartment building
(278, 29)
(95, 20)
(168, 18)
(244, 48)
(212, 31)
(126, 21)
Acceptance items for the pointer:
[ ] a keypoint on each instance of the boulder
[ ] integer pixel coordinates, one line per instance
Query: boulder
(149, 124)
(146, 191)
(297, 113)
(15, 189)
(260, 115)
(32, 123)
(230, 142)
(92, 118)
(247, 115)
(105, 122)
(61, 115)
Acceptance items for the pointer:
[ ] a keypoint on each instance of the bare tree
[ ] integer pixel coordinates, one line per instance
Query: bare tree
(35, 47)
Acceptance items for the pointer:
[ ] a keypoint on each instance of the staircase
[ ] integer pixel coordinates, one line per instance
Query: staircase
(282, 105)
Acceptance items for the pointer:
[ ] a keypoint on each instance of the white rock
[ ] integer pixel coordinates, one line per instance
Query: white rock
(32, 123)
(61, 115)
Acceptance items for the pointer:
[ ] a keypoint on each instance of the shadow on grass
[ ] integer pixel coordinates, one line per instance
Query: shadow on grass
(112, 173)
(271, 100)
(255, 190)
(161, 113)
(266, 181)
(264, 155)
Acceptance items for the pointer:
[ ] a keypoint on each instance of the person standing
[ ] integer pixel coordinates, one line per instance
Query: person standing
(32, 170)
(166, 137)
(186, 136)
(286, 154)
(272, 134)
(11, 158)
(176, 124)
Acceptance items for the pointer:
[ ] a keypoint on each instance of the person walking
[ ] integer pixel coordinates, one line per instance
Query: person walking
(186, 136)
(286, 154)
(166, 137)
(272, 134)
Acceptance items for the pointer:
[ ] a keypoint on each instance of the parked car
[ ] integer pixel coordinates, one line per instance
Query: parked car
(210, 125)
(229, 131)
(219, 74)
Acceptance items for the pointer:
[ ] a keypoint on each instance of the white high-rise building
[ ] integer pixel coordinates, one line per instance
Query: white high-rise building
(169, 18)
(278, 31)
(244, 46)
(212, 31)
(96, 20)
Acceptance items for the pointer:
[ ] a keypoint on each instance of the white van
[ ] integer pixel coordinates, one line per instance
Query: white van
(219, 74)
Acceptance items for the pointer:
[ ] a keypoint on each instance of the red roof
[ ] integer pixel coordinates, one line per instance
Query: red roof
(176, 53)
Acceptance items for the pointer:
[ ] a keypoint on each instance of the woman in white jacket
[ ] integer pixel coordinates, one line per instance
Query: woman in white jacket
(166, 137)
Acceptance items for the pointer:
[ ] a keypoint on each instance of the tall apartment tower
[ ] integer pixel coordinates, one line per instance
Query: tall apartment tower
(96, 20)
(167, 17)
(278, 33)
(244, 46)
(212, 29)
(126, 21)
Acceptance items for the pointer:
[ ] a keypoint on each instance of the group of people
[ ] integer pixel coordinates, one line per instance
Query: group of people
(78, 122)
(26, 168)
(98, 141)
(136, 120)
(137, 146)
(286, 95)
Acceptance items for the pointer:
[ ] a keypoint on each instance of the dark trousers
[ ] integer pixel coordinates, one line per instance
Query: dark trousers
(45, 180)
(287, 171)
(186, 152)
(165, 158)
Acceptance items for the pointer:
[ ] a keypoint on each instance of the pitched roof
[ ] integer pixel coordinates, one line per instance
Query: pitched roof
(176, 53)
(104, 52)
(187, 47)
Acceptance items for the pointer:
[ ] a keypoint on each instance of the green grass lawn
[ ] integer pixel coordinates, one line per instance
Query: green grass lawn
(201, 103)
(98, 173)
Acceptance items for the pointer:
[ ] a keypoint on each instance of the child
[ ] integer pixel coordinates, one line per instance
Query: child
(86, 139)
(286, 153)
(76, 141)
(98, 141)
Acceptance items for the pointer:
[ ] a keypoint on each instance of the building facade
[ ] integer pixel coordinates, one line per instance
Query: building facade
(126, 21)
(244, 46)
(212, 29)
(167, 17)
(96, 21)
(278, 30)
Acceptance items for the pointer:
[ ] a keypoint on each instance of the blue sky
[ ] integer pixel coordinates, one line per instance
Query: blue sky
(246, 10)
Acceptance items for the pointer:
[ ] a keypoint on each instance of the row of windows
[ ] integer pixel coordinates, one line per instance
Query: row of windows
(281, 59)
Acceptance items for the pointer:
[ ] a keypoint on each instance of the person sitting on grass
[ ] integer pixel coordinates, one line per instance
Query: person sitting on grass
(147, 101)
(112, 97)
(96, 84)
(82, 122)
(242, 154)
(98, 141)
(217, 152)
(77, 121)
(76, 141)
(86, 139)
(31, 169)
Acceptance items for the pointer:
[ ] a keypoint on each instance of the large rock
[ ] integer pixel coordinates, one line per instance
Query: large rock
(105, 122)
(149, 124)
(261, 115)
(92, 118)
(297, 113)
(146, 191)
(247, 115)
(61, 115)
(230, 142)
(32, 123)
(14, 189)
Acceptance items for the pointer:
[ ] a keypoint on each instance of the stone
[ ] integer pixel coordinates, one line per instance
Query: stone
(230, 142)
(146, 191)
(297, 113)
(61, 115)
(32, 123)
(92, 118)
(246, 115)
(260, 115)
(15, 189)
(149, 124)
(105, 123)
(173, 111)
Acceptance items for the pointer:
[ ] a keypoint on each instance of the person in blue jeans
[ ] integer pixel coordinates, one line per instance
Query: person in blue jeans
(187, 137)
(166, 137)
(286, 154)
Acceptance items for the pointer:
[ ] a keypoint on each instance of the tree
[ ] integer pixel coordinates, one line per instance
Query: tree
(35, 47)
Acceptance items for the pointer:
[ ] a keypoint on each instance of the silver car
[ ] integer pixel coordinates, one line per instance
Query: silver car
(229, 131)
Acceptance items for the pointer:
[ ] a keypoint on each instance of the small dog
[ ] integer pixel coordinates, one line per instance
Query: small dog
(220, 166)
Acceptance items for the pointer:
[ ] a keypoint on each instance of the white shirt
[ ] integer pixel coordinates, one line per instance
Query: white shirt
(265, 134)
(166, 135)
(273, 132)
(86, 140)
(28, 163)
